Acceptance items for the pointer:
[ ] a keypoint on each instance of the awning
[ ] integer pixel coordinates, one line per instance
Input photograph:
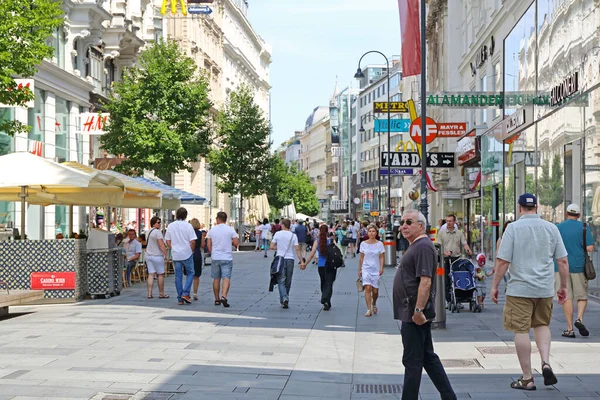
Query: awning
(173, 198)
(136, 194)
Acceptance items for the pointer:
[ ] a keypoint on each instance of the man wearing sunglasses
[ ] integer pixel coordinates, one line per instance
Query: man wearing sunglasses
(411, 293)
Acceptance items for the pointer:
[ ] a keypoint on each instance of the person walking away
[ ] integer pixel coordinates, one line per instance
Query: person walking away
(200, 238)
(381, 231)
(301, 233)
(181, 239)
(370, 268)
(530, 245)
(327, 276)
(411, 293)
(285, 242)
(133, 251)
(453, 241)
(506, 276)
(343, 241)
(156, 258)
(264, 236)
(315, 236)
(220, 239)
(257, 232)
(571, 231)
(362, 235)
(276, 227)
(352, 237)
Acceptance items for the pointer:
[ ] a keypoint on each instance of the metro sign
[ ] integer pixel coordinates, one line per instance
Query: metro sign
(430, 134)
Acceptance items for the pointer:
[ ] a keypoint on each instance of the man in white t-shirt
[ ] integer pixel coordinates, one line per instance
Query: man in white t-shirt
(181, 239)
(286, 243)
(220, 239)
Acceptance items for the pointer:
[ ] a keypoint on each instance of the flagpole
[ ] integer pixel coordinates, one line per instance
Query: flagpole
(423, 206)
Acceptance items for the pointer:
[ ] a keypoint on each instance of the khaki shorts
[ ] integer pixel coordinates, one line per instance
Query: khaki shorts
(577, 286)
(524, 313)
(302, 247)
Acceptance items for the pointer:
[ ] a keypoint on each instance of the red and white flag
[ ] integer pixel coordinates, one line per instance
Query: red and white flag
(430, 185)
(411, 37)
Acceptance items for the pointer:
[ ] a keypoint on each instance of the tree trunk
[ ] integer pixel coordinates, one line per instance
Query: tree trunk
(241, 214)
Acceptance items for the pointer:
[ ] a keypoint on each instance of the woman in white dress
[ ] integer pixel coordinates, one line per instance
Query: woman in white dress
(370, 268)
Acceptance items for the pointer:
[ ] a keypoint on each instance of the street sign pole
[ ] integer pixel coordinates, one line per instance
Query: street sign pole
(423, 206)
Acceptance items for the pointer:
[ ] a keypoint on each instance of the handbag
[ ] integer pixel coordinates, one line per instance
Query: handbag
(279, 261)
(589, 271)
(411, 301)
(359, 285)
(269, 236)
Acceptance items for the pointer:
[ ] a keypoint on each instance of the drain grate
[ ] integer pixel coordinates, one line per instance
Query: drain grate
(461, 363)
(501, 350)
(342, 293)
(376, 389)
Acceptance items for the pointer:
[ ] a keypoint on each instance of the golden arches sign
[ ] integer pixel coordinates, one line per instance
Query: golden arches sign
(165, 4)
(401, 145)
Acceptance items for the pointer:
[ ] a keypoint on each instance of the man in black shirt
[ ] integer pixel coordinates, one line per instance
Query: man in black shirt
(412, 286)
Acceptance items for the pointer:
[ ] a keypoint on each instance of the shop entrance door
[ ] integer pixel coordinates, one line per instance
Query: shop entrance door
(573, 174)
(473, 223)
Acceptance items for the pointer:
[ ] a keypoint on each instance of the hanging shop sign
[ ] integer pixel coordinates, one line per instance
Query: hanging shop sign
(567, 88)
(394, 106)
(396, 125)
(515, 121)
(451, 129)
(482, 56)
(94, 123)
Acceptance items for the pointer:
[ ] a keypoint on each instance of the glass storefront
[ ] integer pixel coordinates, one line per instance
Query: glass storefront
(35, 117)
(6, 146)
(62, 129)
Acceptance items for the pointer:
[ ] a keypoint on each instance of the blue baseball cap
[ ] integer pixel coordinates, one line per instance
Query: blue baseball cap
(527, 200)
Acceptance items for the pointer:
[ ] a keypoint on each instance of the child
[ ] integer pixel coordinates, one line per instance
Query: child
(480, 276)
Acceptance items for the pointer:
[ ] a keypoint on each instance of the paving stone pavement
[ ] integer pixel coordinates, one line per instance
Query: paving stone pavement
(131, 347)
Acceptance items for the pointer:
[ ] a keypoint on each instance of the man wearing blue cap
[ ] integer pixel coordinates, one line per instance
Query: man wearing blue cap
(530, 245)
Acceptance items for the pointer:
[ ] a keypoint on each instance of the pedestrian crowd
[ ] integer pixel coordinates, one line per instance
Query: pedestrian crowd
(560, 265)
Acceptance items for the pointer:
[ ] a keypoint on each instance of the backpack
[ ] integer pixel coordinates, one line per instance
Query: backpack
(334, 258)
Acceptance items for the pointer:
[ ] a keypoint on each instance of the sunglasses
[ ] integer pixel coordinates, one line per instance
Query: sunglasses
(408, 222)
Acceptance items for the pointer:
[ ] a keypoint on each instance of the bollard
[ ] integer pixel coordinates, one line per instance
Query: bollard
(439, 285)
(389, 245)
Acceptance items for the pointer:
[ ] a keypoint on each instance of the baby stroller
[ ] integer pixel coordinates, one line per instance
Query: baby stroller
(462, 279)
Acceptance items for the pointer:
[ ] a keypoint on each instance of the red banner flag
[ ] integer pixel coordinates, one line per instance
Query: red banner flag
(411, 37)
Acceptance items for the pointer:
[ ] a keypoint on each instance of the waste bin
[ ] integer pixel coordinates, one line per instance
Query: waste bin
(439, 286)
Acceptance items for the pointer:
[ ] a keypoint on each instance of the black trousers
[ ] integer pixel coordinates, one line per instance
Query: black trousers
(447, 262)
(419, 354)
(327, 279)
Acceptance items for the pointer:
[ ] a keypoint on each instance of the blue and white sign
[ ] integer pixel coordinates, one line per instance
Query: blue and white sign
(367, 206)
(397, 171)
(198, 9)
(396, 125)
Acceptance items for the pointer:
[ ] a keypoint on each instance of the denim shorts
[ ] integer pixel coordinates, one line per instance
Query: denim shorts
(221, 269)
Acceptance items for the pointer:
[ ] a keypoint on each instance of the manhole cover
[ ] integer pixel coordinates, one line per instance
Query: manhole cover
(461, 363)
(366, 388)
(501, 350)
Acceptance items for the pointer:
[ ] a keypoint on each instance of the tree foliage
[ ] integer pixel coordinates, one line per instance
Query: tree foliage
(25, 28)
(551, 184)
(159, 113)
(241, 159)
(289, 183)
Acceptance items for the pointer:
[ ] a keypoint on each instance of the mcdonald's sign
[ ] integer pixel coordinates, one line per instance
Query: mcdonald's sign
(402, 146)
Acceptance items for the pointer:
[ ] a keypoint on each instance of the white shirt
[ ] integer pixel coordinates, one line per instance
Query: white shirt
(180, 233)
(221, 236)
(354, 230)
(286, 243)
(265, 228)
(152, 238)
(371, 253)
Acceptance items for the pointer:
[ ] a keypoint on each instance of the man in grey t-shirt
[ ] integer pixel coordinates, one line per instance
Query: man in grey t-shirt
(530, 246)
(412, 287)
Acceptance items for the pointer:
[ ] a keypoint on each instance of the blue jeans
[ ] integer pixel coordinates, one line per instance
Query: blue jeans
(266, 244)
(284, 280)
(130, 265)
(189, 269)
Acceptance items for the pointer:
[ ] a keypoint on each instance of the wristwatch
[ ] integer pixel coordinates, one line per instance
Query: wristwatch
(418, 310)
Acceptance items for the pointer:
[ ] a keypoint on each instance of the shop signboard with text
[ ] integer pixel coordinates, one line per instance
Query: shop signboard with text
(394, 106)
(52, 280)
(396, 125)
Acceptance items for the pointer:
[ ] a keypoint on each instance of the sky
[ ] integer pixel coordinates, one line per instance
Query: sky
(314, 41)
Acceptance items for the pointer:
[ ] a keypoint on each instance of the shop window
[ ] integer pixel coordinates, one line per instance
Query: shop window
(62, 129)
(36, 116)
(6, 141)
(95, 67)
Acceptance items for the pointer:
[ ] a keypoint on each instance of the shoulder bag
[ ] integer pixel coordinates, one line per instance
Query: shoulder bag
(411, 301)
(589, 271)
(279, 261)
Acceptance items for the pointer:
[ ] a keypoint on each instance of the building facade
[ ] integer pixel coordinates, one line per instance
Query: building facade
(96, 42)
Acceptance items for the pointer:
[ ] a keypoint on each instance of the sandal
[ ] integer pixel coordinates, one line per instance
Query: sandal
(224, 302)
(523, 384)
(368, 313)
(568, 333)
(375, 309)
(195, 296)
(150, 296)
(582, 329)
(548, 374)
(217, 302)
(163, 296)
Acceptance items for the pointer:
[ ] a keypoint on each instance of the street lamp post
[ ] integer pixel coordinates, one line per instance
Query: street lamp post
(359, 74)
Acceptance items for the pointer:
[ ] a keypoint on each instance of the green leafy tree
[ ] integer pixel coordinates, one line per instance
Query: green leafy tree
(25, 28)
(510, 189)
(289, 183)
(279, 191)
(551, 184)
(241, 158)
(159, 113)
